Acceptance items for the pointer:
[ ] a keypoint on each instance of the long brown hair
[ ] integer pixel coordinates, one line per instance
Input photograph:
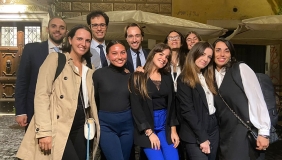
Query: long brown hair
(190, 70)
(140, 78)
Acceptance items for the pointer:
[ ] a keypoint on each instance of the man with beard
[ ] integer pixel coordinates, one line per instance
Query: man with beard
(32, 58)
(98, 22)
(136, 56)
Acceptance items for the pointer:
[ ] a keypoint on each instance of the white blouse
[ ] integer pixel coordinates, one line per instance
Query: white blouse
(83, 81)
(178, 71)
(208, 93)
(258, 112)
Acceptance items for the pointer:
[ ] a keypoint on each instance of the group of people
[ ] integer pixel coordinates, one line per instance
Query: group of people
(169, 101)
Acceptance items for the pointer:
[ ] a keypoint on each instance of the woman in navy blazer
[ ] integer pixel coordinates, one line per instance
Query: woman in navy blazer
(195, 89)
(152, 104)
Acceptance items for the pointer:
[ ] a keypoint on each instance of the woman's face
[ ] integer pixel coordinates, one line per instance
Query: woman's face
(221, 55)
(80, 42)
(202, 61)
(174, 40)
(191, 40)
(117, 55)
(160, 59)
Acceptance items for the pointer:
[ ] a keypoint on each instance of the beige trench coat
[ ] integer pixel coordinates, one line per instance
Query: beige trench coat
(54, 109)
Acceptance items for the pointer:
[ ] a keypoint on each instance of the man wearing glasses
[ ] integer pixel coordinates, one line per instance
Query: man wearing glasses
(136, 56)
(98, 22)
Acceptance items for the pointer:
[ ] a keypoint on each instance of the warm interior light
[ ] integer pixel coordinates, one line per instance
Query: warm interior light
(13, 8)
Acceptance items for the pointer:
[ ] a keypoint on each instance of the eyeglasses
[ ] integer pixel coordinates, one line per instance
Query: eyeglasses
(170, 38)
(136, 36)
(95, 26)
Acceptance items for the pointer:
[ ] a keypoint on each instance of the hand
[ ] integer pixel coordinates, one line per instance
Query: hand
(139, 69)
(262, 143)
(205, 147)
(155, 142)
(45, 144)
(174, 137)
(126, 70)
(22, 120)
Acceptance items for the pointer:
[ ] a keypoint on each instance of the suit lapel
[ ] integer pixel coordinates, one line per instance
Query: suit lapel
(129, 62)
(149, 100)
(146, 52)
(202, 94)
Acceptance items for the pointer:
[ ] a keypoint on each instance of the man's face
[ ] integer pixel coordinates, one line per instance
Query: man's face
(57, 30)
(134, 37)
(99, 28)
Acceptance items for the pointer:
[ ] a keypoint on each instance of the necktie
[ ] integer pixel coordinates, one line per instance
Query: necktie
(102, 56)
(56, 49)
(138, 61)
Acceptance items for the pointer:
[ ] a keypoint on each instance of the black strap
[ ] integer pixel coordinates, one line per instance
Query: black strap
(61, 64)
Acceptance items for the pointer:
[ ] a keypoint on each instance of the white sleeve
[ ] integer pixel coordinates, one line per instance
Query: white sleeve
(258, 112)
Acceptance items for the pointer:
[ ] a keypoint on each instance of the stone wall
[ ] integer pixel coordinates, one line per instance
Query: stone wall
(73, 8)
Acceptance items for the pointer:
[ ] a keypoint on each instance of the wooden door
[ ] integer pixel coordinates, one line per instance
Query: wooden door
(9, 63)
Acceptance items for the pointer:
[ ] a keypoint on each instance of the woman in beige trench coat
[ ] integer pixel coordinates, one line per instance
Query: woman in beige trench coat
(56, 104)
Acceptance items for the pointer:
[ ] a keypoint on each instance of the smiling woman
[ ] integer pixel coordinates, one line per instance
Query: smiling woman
(112, 96)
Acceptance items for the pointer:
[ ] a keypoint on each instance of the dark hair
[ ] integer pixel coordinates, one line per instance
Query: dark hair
(182, 51)
(231, 49)
(190, 70)
(185, 38)
(57, 18)
(133, 25)
(67, 46)
(111, 43)
(140, 79)
(97, 13)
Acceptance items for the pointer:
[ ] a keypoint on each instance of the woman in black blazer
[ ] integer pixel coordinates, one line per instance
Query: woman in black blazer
(152, 105)
(195, 89)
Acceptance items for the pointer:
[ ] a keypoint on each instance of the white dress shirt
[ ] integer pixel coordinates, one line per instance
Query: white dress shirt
(258, 112)
(51, 47)
(134, 56)
(83, 81)
(208, 94)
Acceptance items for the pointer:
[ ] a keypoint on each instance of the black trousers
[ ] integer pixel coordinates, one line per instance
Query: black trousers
(193, 149)
(76, 144)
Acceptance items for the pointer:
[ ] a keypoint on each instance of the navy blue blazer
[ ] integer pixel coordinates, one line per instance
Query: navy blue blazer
(142, 112)
(32, 58)
(194, 112)
(129, 63)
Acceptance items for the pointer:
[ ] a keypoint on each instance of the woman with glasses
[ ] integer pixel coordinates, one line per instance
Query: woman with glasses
(175, 41)
(152, 102)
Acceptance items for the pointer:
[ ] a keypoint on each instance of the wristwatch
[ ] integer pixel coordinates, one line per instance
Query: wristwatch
(265, 136)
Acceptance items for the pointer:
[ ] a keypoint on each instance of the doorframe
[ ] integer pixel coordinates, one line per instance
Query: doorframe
(35, 16)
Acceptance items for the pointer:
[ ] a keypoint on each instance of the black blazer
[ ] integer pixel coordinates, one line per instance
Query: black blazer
(194, 112)
(129, 63)
(32, 58)
(142, 111)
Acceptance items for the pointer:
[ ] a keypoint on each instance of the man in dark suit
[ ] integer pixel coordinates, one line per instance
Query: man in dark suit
(33, 56)
(136, 56)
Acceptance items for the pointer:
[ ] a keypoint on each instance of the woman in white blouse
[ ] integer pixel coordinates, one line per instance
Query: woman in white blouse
(249, 105)
(195, 91)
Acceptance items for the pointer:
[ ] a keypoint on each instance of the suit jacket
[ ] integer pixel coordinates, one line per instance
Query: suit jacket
(194, 112)
(129, 63)
(95, 59)
(142, 111)
(33, 56)
(55, 108)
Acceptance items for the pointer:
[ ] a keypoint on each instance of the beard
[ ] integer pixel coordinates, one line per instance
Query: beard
(57, 41)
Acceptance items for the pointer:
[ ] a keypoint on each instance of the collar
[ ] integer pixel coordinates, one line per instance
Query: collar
(94, 44)
(134, 53)
(51, 45)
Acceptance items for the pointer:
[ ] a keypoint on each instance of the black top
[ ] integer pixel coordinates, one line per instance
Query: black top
(111, 89)
(159, 95)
